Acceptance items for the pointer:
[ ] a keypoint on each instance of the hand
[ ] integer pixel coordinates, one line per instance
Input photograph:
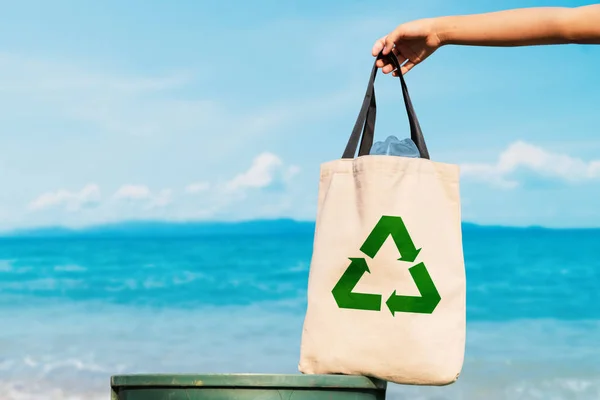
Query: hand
(411, 42)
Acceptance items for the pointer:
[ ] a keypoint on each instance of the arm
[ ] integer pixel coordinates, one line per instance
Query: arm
(523, 27)
(414, 41)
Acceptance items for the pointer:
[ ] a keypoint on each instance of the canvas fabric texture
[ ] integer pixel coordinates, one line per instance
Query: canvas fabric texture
(387, 285)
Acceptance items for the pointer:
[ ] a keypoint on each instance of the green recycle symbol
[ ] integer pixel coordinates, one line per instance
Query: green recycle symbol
(423, 304)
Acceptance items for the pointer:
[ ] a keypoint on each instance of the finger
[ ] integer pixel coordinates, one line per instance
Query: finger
(401, 59)
(389, 44)
(388, 68)
(399, 55)
(396, 73)
(385, 66)
(407, 52)
(381, 63)
(378, 46)
(392, 38)
(407, 67)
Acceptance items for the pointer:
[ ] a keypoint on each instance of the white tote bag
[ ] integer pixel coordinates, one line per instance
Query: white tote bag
(386, 291)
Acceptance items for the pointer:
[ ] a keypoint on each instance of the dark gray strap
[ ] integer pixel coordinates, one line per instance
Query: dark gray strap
(368, 100)
(367, 139)
(366, 118)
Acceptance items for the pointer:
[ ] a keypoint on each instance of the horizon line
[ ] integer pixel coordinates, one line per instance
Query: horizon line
(123, 226)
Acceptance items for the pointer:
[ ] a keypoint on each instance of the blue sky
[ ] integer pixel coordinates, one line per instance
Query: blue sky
(224, 110)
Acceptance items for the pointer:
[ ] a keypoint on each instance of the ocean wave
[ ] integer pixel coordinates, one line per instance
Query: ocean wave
(32, 390)
(551, 389)
(52, 378)
(9, 266)
(70, 268)
(568, 388)
(44, 285)
(47, 365)
(299, 267)
(73, 349)
(121, 285)
(6, 265)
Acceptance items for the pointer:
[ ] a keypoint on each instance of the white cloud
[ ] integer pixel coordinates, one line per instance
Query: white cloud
(290, 172)
(142, 194)
(132, 192)
(72, 201)
(525, 156)
(264, 188)
(197, 187)
(266, 170)
(162, 199)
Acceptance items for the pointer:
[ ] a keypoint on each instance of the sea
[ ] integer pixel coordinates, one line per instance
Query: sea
(77, 308)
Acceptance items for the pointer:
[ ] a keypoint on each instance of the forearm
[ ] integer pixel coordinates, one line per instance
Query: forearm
(523, 27)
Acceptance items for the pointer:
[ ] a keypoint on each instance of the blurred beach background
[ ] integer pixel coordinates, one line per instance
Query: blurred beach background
(78, 308)
(136, 136)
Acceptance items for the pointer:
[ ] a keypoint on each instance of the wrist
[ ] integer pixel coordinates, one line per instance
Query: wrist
(443, 29)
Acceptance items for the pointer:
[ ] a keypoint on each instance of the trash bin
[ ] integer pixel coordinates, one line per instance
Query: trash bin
(246, 387)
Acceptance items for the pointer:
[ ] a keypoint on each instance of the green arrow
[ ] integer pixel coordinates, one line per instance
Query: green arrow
(394, 227)
(426, 303)
(342, 292)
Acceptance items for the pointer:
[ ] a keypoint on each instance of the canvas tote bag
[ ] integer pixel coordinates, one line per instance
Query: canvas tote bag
(386, 291)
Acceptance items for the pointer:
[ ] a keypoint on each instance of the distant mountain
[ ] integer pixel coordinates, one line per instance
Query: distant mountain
(172, 229)
(191, 229)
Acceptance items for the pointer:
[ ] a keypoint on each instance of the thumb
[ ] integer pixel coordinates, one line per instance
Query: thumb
(378, 46)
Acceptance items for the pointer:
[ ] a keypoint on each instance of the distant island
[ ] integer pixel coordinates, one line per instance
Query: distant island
(170, 229)
(197, 228)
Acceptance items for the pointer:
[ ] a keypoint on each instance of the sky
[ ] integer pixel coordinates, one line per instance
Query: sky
(224, 110)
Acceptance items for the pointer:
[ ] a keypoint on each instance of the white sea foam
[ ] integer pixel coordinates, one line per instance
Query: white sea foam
(70, 268)
(69, 352)
(6, 265)
(32, 390)
(43, 284)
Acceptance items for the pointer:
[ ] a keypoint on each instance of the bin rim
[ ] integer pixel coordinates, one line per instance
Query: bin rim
(298, 381)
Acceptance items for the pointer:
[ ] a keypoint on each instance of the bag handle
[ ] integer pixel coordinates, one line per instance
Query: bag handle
(367, 114)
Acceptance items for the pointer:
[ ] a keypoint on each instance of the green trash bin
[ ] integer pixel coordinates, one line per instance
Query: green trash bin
(246, 387)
